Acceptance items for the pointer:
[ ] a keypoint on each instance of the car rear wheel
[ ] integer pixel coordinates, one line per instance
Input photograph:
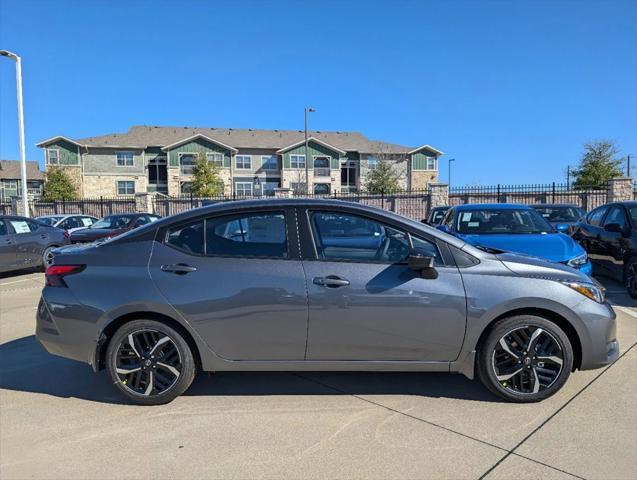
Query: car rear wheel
(525, 359)
(149, 362)
(630, 277)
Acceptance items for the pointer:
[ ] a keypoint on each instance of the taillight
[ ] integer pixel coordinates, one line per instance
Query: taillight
(55, 274)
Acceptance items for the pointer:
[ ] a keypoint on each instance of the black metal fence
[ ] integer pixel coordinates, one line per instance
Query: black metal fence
(97, 207)
(413, 204)
(585, 197)
(6, 208)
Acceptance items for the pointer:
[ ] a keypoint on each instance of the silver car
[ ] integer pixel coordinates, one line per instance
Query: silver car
(317, 285)
(26, 243)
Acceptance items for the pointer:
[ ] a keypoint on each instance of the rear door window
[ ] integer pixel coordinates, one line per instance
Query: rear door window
(251, 235)
(618, 216)
(3, 228)
(21, 227)
(188, 238)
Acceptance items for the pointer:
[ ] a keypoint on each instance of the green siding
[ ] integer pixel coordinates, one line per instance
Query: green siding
(313, 149)
(197, 146)
(419, 160)
(68, 152)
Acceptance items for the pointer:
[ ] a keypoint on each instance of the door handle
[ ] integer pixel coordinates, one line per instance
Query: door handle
(44, 236)
(331, 281)
(178, 268)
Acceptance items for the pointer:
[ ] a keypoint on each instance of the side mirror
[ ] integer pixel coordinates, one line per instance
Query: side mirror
(422, 264)
(443, 228)
(614, 227)
(562, 227)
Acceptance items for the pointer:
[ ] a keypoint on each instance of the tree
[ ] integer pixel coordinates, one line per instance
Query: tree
(598, 165)
(389, 172)
(206, 181)
(58, 185)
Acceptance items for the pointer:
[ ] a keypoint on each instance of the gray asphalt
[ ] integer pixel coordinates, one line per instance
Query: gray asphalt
(59, 420)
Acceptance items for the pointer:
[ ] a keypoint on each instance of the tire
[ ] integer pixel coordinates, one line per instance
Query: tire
(539, 375)
(630, 277)
(46, 255)
(157, 369)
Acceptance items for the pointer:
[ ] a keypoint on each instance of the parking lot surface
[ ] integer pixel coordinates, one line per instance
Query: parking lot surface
(59, 420)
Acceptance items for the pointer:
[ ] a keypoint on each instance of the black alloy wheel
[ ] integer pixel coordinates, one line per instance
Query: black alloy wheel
(149, 362)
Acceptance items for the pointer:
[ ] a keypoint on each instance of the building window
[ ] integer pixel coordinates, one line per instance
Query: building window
(216, 158)
(432, 163)
(243, 162)
(187, 162)
(125, 187)
(269, 162)
(372, 162)
(243, 189)
(52, 156)
(297, 161)
(298, 187)
(125, 159)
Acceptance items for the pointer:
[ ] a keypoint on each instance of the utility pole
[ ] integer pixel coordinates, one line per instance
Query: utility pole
(628, 165)
(568, 175)
(449, 177)
(23, 159)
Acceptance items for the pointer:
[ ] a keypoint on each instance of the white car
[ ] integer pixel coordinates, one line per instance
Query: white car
(70, 223)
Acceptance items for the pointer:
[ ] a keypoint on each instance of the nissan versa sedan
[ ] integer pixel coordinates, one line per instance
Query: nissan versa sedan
(300, 284)
(515, 228)
(26, 243)
(70, 223)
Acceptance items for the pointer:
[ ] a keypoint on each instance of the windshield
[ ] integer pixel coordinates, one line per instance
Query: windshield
(501, 220)
(438, 215)
(560, 214)
(49, 220)
(112, 221)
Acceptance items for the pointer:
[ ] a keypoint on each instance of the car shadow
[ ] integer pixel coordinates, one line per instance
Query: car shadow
(616, 292)
(25, 366)
(18, 273)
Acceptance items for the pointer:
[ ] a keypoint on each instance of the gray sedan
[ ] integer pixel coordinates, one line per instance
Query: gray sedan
(26, 243)
(317, 285)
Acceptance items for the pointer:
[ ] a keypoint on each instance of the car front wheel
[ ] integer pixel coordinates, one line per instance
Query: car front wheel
(525, 359)
(149, 362)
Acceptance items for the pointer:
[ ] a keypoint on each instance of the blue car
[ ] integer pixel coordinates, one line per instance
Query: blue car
(514, 228)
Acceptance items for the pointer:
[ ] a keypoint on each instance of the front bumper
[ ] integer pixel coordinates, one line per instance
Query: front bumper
(599, 336)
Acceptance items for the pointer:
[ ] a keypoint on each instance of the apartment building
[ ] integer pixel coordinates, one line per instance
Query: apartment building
(11, 183)
(250, 161)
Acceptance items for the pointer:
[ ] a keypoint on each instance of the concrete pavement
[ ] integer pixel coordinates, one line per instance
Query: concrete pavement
(59, 420)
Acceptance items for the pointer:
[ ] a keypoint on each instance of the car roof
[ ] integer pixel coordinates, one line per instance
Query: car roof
(554, 205)
(232, 206)
(492, 206)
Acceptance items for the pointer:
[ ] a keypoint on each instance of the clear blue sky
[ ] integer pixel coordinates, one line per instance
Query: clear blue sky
(511, 89)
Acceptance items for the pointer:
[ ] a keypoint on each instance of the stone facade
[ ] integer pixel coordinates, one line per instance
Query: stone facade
(421, 179)
(290, 177)
(439, 195)
(106, 185)
(620, 189)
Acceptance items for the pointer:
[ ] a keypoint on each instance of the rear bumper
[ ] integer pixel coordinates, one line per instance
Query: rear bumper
(60, 330)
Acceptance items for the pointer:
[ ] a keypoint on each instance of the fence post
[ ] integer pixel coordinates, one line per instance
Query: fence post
(101, 206)
(553, 193)
(63, 205)
(619, 189)
(498, 200)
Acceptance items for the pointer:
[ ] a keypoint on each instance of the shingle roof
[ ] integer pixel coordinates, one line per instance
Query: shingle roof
(149, 136)
(10, 169)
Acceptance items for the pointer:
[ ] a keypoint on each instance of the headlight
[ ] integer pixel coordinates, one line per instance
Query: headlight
(589, 290)
(577, 262)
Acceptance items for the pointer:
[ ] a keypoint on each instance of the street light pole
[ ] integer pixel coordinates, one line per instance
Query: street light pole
(23, 158)
(307, 155)
(449, 178)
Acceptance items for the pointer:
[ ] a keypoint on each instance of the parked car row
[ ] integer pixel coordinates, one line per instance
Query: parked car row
(28, 243)
(603, 241)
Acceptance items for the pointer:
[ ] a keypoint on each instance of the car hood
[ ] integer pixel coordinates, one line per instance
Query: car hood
(534, 267)
(555, 247)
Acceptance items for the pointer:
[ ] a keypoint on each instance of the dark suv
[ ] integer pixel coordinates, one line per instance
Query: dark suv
(609, 235)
